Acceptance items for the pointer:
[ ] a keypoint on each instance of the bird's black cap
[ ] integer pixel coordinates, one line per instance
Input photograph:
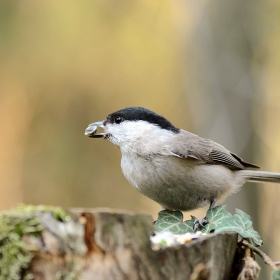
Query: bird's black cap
(139, 113)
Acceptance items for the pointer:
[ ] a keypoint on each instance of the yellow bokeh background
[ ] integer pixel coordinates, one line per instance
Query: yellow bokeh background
(211, 67)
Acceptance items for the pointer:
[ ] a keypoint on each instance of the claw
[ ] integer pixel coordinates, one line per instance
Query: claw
(199, 223)
(202, 222)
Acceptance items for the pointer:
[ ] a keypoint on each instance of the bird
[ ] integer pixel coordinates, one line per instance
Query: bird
(175, 168)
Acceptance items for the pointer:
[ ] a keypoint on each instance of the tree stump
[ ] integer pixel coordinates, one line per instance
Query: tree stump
(105, 244)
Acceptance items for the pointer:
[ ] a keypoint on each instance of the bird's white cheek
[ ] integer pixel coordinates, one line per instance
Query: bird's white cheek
(120, 134)
(114, 134)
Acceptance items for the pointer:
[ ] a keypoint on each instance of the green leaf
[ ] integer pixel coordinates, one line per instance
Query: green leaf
(243, 218)
(219, 220)
(276, 275)
(216, 216)
(172, 221)
(240, 223)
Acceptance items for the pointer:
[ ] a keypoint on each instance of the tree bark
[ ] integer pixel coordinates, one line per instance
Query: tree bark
(102, 244)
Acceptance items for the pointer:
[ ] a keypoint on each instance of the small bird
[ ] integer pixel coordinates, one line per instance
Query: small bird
(176, 168)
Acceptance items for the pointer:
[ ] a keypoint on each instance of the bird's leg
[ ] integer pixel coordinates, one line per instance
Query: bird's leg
(212, 203)
(202, 222)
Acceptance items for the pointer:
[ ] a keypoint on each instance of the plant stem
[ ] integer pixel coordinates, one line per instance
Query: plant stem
(264, 256)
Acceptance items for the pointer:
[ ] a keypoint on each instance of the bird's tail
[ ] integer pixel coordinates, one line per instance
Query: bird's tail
(261, 176)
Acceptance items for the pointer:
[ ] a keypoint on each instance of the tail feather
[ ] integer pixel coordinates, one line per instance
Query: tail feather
(261, 176)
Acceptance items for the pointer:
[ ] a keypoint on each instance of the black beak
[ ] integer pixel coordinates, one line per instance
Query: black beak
(92, 129)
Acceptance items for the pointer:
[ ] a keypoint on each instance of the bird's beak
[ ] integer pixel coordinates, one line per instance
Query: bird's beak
(92, 129)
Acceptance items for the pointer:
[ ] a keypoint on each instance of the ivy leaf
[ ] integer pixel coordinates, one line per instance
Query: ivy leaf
(219, 220)
(242, 224)
(172, 221)
(216, 216)
(243, 218)
(276, 275)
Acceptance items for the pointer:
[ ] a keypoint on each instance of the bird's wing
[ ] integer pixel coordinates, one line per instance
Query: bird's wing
(207, 151)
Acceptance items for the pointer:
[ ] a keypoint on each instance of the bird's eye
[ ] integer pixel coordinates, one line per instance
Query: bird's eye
(118, 119)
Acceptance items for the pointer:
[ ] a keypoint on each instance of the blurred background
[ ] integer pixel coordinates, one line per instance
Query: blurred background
(211, 67)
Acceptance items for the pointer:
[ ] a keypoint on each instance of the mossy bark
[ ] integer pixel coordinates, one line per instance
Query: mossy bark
(102, 244)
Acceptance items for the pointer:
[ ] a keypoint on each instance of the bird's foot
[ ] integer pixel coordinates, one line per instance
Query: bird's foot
(199, 223)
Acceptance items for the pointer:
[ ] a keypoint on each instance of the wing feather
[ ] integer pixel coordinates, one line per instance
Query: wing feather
(207, 151)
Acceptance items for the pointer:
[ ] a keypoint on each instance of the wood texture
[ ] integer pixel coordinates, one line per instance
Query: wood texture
(101, 244)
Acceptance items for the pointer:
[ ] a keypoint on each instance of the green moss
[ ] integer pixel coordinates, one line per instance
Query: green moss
(15, 255)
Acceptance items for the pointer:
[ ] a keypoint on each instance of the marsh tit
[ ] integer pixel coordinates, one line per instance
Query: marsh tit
(176, 168)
